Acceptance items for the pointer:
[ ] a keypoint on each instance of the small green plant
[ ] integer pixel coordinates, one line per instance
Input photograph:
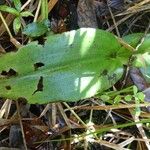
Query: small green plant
(36, 29)
(17, 12)
(137, 96)
(115, 97)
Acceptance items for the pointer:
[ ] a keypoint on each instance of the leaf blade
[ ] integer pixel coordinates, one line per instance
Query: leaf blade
(16, 25)
(9, 10)
(73, 66)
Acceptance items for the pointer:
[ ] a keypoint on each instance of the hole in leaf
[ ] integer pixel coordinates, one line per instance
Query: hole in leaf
(112, 77)
(9, 73)
(104, 72)
(38, 65)
(39, 85)
(8, 87)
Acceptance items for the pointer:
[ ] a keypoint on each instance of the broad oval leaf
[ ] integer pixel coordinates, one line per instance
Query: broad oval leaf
(68, 67)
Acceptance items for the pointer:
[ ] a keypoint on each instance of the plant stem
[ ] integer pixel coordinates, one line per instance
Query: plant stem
(44, 9)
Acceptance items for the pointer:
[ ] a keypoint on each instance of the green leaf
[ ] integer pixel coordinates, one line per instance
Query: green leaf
(128, 98)
(135, 90)
(104, 97)
(46, 22)
(146, 73)
(117, 99)
(139, 38)
(142, 55)
(26, 14)
(35, 29)
(9, 10)
(16, 25)
(133, 39)
(68, 67)
(17, 4)
(140, 96)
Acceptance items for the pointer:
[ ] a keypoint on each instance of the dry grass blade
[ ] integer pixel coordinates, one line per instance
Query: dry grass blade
(109, 107)
(145, 114)
(127, 142)
(72, 111)
(9, 19)
(63, 114)
(114, 21)
(5, 108)
(54, 112)
(45, 110)
(109, 115)
(130, 12)
(7, 148)
(140, 128)
(12, 39)
(119, 22)
(133, 11)
(6, 122)
(139, 4)
(111, 145)
(37, 12)
(26, 4)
